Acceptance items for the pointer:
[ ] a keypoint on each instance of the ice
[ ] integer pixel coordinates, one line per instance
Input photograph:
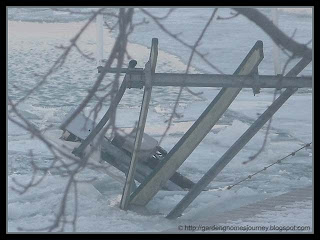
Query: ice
(286, 219)
(246, 191)
(32, 39)
(303, 11)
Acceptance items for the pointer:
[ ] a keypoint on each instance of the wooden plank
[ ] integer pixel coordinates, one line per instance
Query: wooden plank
(196, 133)
(119, 159)
(149, 70)
(126, 141)
(176, 178)
(236, 147)
(80, 126)
(66, 147)
(220, 80)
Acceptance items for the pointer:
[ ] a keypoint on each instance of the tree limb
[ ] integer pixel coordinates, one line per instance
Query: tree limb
(279, 37)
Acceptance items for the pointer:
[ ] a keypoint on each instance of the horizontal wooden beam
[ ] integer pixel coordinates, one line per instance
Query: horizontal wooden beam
(137, 80)
(120, 70)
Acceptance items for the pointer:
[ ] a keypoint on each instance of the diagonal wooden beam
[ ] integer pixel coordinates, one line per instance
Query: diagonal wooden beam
(238, 145)
(191, 139)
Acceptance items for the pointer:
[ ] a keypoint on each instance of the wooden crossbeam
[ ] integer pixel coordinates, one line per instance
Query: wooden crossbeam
(137, 80)
(119, 159)
(191, 139)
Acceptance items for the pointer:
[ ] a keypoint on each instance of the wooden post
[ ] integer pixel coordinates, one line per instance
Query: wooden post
(149, 70)
(196, 133)
(237, 146)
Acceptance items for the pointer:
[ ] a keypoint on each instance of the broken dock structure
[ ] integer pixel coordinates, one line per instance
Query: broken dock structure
(158, 169)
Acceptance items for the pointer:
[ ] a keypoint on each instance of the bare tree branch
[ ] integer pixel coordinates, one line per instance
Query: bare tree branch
(67, 165)
(279, 37)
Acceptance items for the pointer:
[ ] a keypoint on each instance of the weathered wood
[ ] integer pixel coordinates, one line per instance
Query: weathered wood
(80, 126)
(237, 146)
(119, 159)
(220, 80)
(66, 147)
(149, 70)
(148, 145)
(176, 178)
(148, 155)
(196, 133)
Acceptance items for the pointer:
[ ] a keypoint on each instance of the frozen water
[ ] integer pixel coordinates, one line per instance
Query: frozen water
(34, 34)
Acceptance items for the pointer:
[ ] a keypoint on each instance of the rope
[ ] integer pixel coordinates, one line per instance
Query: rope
(265, 168)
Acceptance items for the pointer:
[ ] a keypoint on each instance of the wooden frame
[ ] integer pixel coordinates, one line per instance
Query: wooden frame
(191, 139)
(245, 76)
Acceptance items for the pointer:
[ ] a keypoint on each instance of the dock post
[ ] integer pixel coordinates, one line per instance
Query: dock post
(149, 71)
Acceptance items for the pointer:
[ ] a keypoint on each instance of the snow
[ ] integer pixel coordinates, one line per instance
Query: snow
(94, 208)
(290, 218)
(286, 219)
(31, 50)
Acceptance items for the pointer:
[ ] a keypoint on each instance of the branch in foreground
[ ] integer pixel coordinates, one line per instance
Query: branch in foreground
(279, 37)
